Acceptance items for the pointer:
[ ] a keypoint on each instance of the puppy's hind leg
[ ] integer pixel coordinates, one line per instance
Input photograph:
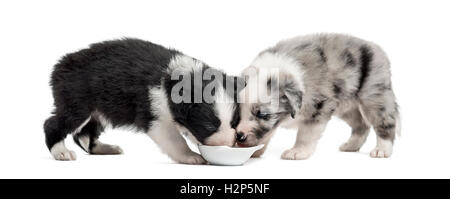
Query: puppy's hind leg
(56, 129)
(360, 130)
(88, 136)
(169, 139)
(382, 112)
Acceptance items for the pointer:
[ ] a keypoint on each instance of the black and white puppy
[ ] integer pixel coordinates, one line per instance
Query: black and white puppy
(301, 82)
(155, 90)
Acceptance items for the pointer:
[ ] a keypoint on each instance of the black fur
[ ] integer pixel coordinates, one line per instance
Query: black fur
(322, 55)
(348, 58)
(93, 129)
(337, 87)
(238, 85)
(366, 57)
(201, 118)
(382, 87)
(236, 116)
(113, 78)
(269, 83)
(294, 95)
(260, 131)
(318, 106)
(196, 117)
(386, 131)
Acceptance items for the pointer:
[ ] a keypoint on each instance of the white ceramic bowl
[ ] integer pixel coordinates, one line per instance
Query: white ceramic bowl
(225, 155)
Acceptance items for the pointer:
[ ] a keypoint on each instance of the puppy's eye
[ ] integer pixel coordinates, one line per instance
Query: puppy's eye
(261, 115)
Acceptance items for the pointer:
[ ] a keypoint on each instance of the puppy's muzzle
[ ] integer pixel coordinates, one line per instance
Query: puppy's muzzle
(240, 137)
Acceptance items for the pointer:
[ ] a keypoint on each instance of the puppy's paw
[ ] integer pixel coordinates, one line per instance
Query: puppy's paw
(381, 152)
(64, 155)
(258, 153)
(297, 153)
(106, 149)
(349, 147)
(191, 158)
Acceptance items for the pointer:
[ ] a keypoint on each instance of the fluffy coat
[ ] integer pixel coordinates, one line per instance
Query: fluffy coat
(129, 82)
(319, 76)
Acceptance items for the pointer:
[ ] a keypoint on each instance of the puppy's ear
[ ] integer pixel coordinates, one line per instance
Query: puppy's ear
(291, 96)
(180, 113)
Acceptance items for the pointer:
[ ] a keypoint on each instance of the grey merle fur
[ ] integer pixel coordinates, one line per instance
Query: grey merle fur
(337, 75)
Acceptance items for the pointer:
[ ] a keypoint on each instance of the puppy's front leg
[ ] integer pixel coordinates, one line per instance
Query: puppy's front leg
(260, 152)
(265, 141)
(305, 144)
(169, 139)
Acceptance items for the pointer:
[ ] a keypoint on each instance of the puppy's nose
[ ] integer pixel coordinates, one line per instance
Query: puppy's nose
(240, 137)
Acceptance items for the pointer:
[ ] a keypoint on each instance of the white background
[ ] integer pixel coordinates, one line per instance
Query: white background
(227, 35)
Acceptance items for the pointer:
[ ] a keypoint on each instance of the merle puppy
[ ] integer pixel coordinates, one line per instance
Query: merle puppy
(130, 82)
(311, 78)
